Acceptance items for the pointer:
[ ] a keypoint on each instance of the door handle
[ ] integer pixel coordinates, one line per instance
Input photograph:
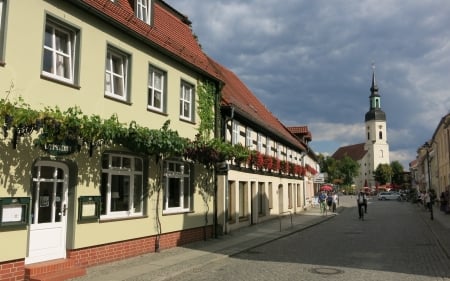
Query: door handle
(64, 210)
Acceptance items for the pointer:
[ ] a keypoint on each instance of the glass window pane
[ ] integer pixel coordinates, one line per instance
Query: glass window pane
(116, 64)
(45, 202)
(48, 36)
(126, 163)
(48, 61)
(58, 201)
(104, 193)
(186, 194)
(108, 86)
(174, 192)
(47, 172)
(118, 86)
(60, 173)
(120, 187)
(138, 164)
(158, 81)
(61, 41)
(157, 100)
(138, 193)
(116, 161)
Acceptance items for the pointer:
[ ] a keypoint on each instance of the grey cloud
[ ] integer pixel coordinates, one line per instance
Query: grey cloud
(309, 62)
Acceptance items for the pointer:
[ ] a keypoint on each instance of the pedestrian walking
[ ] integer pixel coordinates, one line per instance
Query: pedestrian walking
(428, 200)
(329, 201)
(335, 202)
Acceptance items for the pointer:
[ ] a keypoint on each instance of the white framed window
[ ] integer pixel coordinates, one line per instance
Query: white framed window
(59, 51)
(268, 147)
(248, 138)
(187, 102)
(144, 10)
(259, 142)
(156, 89)
(235, 133)
(177, 187)
(121, 186)
(116, 74)
(278, 151)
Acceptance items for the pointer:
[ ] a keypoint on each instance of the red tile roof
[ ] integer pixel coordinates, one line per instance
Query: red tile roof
(236, 94)
(301, 132)
(354, 151)
(170, 30)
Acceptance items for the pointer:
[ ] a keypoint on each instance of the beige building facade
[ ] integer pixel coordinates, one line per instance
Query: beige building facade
(87, 89)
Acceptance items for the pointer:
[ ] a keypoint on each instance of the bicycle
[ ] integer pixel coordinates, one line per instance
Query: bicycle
(361, 211)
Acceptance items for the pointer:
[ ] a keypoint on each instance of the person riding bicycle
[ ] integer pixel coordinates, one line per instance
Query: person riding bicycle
(362, 202)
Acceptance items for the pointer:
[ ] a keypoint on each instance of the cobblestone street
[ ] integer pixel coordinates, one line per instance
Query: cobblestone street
(393, 243)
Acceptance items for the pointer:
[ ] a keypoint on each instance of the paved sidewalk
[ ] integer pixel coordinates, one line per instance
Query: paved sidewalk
(171, 262)
(174, 261)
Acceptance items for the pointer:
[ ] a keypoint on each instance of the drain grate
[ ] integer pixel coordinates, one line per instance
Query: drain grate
(326, 270)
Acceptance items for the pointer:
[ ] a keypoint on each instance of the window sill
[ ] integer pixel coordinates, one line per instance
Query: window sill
(118, 100)
(187, 121)
(114, 219)
(157, 111)
(176, 212)
(60, 82)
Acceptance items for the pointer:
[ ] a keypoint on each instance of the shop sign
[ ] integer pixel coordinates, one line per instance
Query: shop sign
(63, 148)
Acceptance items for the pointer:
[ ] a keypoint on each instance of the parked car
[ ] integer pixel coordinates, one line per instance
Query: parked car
(388, 196)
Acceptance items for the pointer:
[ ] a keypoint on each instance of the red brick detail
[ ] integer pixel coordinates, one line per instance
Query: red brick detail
(130, 248)
(12, 270)
(78, 259)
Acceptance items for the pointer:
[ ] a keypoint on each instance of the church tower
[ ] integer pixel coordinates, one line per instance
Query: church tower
(376, 144)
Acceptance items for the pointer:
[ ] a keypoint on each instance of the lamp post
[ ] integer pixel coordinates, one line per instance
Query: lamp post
(427, 147)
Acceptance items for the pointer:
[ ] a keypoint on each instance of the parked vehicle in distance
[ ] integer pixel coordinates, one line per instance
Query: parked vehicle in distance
(388, 196)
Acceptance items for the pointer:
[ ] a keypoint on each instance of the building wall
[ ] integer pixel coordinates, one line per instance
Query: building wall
(24, 60)
(442, 145)
(21, 77)
(266, 195)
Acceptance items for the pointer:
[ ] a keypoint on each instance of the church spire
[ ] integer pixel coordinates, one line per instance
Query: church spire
(374, 87)
(375, 112)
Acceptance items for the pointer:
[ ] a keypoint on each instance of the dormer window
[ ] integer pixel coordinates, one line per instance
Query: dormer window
(143, 10)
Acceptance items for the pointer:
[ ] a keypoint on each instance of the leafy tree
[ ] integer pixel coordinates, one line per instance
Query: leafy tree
(397, 173)
(383, 173)
(348, 169)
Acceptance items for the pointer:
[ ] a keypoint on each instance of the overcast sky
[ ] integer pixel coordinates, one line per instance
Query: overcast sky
(310, 63)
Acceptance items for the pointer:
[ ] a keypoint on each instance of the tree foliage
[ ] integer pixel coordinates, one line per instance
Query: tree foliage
(339, 171)
(397, 173)
(383, 173)
(348, 169)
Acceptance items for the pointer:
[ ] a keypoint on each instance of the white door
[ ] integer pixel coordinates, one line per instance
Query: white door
(47, 237)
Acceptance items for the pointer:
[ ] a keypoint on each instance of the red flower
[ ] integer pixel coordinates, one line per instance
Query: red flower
(268, 162)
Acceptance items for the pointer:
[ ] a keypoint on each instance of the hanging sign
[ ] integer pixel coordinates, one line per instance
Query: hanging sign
(65, 147)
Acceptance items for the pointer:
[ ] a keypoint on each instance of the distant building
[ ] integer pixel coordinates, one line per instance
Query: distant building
(375, 150)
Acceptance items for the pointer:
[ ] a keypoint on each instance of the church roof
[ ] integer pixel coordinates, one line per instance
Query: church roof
(375, 114)
(354, 151)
